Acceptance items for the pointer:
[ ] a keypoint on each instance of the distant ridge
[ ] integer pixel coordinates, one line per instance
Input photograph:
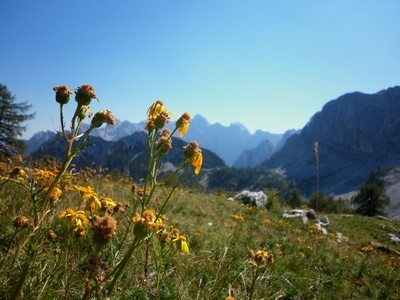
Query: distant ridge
(357, 133)
(228, 142)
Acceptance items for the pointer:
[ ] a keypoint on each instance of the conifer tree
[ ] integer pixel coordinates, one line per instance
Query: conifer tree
(12, 117)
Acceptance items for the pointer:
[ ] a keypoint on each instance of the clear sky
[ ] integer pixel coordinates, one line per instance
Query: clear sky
(268, 64)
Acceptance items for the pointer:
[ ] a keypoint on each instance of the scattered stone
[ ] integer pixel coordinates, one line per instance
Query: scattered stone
(324, 221)
(258, 199)
(339, 237)
(394, 238)
(300, 213)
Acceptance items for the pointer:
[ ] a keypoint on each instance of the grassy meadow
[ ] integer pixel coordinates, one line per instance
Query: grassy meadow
(298, 261)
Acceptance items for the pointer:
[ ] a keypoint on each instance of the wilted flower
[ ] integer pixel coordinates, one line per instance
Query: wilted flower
(80, 231)
(22, 222)
(17, 171)
(164, 143)
(51, 235)
(62, 94)
(101, 117)
(193, 155)
(84, 94)
(104, 229)
(183, 124)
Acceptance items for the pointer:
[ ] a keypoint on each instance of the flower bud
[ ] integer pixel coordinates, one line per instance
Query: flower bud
(84, 111)
(62, 94)
(84, 94)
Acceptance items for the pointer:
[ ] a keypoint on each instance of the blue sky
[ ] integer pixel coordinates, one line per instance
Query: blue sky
(269, 65)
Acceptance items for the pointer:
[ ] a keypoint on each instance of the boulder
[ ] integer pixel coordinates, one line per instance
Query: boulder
(258, 199)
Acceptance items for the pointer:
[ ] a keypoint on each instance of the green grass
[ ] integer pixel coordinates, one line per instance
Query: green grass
(307, 265)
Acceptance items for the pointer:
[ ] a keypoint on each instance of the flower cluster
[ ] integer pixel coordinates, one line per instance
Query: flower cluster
(77, 219)
(92, 199)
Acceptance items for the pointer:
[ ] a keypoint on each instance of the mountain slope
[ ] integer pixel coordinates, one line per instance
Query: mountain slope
(128, 155)
(228, 142)
(250, 158)
(356, 133)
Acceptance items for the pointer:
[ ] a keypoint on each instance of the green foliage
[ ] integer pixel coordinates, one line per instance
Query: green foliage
(370, 200)
(238, 179)
(295, 200)
(12, 117)
(329, 204)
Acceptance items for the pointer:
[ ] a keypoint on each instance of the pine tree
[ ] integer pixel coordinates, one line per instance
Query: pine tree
(12, 117)
(371, 200)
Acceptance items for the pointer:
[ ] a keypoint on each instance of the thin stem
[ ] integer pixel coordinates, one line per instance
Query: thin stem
(121, 266)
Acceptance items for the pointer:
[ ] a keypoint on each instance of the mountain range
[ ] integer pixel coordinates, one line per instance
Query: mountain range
(357, 133)
(228, 142)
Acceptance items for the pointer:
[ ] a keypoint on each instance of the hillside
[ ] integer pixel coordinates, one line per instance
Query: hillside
(357, 133)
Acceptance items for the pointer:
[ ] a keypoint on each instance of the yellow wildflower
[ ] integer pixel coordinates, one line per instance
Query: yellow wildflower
(68, 214)
(260, 257)
(366, 249)
(194, 156)
(93, 203)
(157, 116)
(81, 219)
(238, 218)
(55, 194)
(309, 248)
(183, 124)
(184, 245)
(267, 222)
(155, 109)
(108, 204)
